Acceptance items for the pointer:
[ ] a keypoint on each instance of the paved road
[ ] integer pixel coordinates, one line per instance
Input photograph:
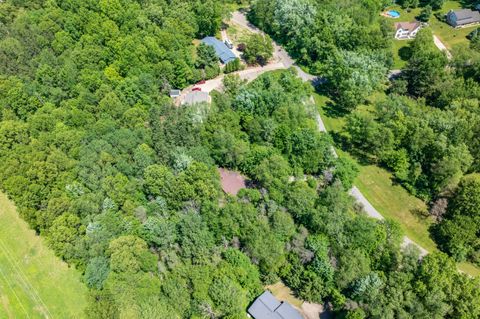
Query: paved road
(283, 61)
(280, 55)
(240, 19)
(372, 212)
(367, 206)
(369, 209)
(441, 46)
(249, 74)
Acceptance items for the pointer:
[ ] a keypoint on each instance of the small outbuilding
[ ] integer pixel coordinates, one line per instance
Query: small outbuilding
(223, 52)
(175, 93)
(266, 306)
(196, 97)
(463, 17)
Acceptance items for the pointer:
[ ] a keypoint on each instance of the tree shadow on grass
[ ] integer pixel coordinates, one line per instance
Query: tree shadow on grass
(362, 158)
(339, 140)
(332, 110)
(421, 215)
(342, 142)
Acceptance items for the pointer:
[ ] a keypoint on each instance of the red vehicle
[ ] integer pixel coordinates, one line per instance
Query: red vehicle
(196, 89)
(201, 82)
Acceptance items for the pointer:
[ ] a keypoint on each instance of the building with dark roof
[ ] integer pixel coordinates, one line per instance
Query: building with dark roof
(463, 17)
(223, 52)
(266, 306)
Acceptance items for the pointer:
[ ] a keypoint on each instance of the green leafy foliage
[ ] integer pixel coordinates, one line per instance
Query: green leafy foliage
(258, 49)
(412, 140)
(344, 42)
(232, 66)
(458, 231)
(124, 185)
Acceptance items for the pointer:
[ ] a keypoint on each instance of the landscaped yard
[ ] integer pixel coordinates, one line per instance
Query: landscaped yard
(391, 200)
(33, 282)
(451, 37)
(400, 49)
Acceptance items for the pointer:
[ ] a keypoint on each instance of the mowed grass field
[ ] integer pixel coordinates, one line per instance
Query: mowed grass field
(399, 59)
(34, 283)
(391, 200)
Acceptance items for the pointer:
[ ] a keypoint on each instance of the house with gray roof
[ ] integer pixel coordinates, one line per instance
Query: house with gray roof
(463, 17)
(266, 306)
(223, 52)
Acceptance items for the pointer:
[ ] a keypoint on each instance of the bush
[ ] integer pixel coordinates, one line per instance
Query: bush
(241, 47)
(211, 71)
(232, 66)
(258, 50)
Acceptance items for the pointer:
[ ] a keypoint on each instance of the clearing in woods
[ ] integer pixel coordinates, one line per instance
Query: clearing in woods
(34, 283)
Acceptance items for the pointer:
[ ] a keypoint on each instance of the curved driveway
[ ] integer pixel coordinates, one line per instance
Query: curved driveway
(284, 61)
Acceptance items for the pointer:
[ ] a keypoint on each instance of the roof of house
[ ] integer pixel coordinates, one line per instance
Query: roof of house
(175, 92)
(223, 52)
(266, 306)
(232, 182)
(408, 26)
(286, 311)
(466, 16)
(196, 97)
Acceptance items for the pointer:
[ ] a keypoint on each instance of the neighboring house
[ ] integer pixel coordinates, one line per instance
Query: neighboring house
(268, 307)
(463, 17)
(175, 93)
(223, 52)
(406, 30)
(196, 97)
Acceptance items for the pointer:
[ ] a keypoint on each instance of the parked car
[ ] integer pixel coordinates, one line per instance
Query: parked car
(196, 89)
(228, 43)
(201, 82)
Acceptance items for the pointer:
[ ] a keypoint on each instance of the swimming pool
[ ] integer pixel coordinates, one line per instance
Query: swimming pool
(393, 13)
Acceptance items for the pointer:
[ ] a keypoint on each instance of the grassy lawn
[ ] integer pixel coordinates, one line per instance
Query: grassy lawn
(391, 200)
(283, 293)
(469, 269)
(237, 34)
(451, 37)
(394, 202)
(399, 47)
(33, 282)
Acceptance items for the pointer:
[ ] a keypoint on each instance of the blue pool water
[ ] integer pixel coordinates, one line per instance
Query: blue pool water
(393, 13)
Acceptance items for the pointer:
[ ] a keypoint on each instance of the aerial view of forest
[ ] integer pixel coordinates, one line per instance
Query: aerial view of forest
(239, 159)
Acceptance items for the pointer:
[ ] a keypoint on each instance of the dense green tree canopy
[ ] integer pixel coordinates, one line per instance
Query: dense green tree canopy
(124, 184)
